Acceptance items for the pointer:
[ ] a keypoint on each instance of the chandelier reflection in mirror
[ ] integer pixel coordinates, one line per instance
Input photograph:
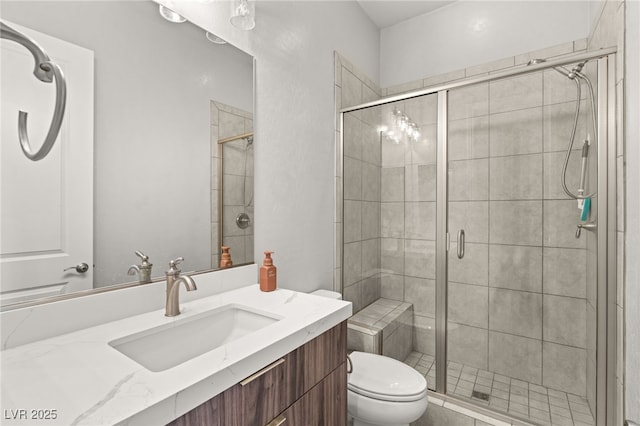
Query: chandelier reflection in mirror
(402, 128)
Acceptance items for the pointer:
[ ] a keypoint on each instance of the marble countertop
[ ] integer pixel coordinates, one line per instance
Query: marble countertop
(78, 379)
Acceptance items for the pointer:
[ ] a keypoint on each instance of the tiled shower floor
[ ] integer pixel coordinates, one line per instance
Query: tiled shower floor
(519, 398)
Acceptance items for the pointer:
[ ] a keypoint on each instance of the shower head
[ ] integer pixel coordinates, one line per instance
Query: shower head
(572, 74)
(575, 71)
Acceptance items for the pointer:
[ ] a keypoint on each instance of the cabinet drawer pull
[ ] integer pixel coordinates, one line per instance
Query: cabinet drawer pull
(254, 376)
(277, 421)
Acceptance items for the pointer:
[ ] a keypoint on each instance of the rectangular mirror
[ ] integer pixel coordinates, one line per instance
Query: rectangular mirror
(137, 166)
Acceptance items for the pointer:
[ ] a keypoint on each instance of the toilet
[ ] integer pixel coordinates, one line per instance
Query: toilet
(382, 391)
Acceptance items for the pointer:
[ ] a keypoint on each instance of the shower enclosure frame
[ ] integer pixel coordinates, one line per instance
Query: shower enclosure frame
(606, 221)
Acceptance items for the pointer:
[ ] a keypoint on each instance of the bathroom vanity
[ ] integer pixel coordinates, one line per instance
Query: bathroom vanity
(283, 357)
(308, 386)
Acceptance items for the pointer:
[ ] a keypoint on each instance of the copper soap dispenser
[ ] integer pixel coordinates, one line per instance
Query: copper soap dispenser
(225, 259)
(267, 273)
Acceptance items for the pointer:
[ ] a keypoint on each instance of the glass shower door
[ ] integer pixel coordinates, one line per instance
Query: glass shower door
(518, 293)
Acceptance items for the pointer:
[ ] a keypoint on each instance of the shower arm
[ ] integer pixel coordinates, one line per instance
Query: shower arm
(46, 71)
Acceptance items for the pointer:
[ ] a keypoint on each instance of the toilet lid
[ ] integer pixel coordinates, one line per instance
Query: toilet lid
(385, 378)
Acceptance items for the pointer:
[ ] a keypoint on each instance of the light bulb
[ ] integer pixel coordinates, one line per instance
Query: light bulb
(170, 15)
(243, 14)
(215, 39)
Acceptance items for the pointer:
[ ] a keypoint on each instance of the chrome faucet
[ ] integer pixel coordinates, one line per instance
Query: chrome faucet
(173, 287)
(143, 270)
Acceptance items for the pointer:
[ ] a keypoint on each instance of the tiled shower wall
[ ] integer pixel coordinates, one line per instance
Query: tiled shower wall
(362, 165)
(227, 121)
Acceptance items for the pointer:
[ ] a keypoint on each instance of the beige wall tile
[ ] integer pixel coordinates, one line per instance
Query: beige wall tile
(468, 345)
(468, 138)
(515, 356)
(515, 267)
(515, 93)
(516, 132)
(420, 258)
(476, 225)
(468, 305)
(516, 222)
(515, 312)
(420, 220)
(565, 272)
(564, 368)
(470, 101)
(516, 177)
(469, 180)
(565, 320)
(473, 267)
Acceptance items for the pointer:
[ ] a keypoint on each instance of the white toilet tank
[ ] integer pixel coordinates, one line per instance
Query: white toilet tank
(327, 293)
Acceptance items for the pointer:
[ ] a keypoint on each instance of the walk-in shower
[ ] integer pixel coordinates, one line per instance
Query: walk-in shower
(469, 230)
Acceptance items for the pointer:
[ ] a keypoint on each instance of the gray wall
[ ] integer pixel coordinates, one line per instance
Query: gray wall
(476, 32)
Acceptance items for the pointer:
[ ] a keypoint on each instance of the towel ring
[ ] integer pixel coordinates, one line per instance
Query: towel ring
(56, 121)
(44, 70)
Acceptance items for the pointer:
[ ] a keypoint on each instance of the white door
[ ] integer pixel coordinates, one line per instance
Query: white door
(46, 206)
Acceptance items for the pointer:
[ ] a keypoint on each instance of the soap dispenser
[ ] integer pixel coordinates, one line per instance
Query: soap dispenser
(267, 273)
(225, 259)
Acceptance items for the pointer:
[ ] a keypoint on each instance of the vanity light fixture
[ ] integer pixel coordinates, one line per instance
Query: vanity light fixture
(170, 15)
(243, 13)
(215, 39)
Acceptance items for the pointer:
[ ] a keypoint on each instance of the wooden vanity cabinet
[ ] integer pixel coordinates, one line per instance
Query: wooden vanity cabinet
(308, 386)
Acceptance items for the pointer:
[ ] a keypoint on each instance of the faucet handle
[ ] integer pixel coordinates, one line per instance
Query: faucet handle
(141, 255)
(174, 262)
(145, 259)
(173, 268)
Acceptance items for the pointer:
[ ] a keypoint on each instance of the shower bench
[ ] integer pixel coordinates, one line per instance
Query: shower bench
(383, 327)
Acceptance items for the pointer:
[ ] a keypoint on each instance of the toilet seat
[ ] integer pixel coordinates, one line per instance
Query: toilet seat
(386, 379)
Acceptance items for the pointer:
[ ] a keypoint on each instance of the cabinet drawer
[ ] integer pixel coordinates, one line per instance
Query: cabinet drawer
(324, 405)
(258, 398)
(312, 362)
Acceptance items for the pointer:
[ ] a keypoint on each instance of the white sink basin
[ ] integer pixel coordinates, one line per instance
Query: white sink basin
(166, 346)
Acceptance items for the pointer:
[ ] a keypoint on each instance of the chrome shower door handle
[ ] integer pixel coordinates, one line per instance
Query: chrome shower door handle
(461, 244)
